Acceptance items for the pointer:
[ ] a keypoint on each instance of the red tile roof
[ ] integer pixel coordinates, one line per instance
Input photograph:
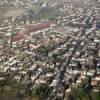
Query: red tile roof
(38, 27)
(17, 37)
(32, 28)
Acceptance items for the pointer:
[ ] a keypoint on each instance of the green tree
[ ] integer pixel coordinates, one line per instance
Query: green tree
(41, 91)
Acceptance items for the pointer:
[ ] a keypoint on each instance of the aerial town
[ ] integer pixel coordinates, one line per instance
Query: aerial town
(49, 49)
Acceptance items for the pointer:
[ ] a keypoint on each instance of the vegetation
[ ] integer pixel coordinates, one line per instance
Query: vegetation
(76, 94)
(9, 88)
(41, 92)
(84, 92)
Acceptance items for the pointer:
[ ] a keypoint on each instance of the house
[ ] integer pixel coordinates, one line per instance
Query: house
(17, 77)
(95, 82)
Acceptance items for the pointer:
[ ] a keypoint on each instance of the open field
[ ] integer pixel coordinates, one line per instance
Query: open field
(14, 12)
(10, 11)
